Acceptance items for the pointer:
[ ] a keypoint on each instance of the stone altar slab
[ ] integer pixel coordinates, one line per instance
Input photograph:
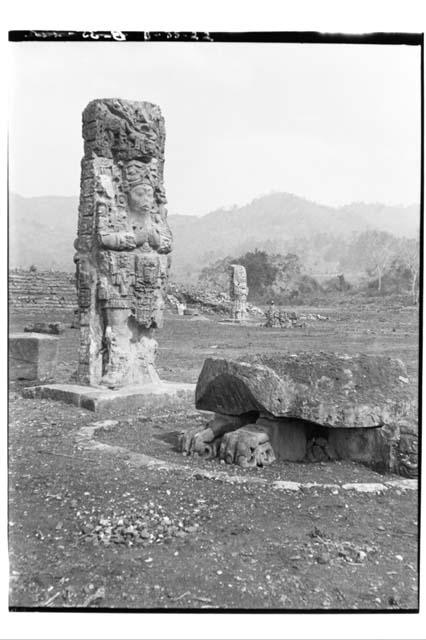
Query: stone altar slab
(307, 406)
(329, 389)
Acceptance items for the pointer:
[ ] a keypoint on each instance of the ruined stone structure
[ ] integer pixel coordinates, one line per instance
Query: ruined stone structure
(238, 292)
(123, 244)
(41, 291)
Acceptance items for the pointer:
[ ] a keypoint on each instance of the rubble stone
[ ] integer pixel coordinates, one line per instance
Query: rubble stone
(52, 328)
(41, 291)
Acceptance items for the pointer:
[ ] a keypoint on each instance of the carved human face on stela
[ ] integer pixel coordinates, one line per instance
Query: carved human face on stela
(141, 198)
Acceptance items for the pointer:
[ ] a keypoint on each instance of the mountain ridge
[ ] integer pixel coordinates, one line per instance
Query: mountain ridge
(42, 229)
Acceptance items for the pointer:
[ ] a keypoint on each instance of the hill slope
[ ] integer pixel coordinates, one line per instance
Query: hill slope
(42, 230)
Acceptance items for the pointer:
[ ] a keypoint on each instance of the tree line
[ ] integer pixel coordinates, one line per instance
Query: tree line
(383, 263)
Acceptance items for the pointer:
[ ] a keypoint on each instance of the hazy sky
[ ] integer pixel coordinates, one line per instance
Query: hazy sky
(332, 123)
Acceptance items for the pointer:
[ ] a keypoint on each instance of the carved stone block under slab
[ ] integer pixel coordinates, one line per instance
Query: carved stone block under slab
(312, 406)
(32, 356)
(288, 438)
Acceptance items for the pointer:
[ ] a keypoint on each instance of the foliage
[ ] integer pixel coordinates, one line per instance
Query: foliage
(276, 276)
(337, 284)
(261, 273)
(372, 251)
(216, 275)
(390, 266)
(409, 258)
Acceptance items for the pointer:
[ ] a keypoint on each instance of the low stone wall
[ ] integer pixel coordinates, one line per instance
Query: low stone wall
(42, 291)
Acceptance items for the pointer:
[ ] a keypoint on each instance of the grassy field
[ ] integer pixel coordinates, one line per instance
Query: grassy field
(186, 341)
(207, 543)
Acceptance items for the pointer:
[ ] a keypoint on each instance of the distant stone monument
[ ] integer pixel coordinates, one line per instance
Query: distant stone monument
(124, 242)
(238, 292)
(122, 258)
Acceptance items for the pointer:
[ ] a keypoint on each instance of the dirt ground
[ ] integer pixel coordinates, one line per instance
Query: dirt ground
(89, 530)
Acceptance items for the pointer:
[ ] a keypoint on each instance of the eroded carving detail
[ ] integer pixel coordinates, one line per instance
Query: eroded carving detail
(124, 242)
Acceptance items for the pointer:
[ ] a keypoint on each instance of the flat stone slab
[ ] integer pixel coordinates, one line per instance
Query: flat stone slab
(329, 389)
(149, 396)
(32, 356)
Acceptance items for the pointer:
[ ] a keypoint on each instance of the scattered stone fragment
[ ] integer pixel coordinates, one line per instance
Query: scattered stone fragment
(286, 485)
(53, 328)
(142, 527)
(323, 558)
(98, 595)
(329, 550)
(202, 599)
(289, 319)
(51, 599)
(365, 487)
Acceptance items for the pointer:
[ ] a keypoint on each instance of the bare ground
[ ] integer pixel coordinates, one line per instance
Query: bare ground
(88, 529)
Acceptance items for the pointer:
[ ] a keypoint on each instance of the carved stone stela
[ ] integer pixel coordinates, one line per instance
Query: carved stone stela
(123, 244)
(238, 291)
